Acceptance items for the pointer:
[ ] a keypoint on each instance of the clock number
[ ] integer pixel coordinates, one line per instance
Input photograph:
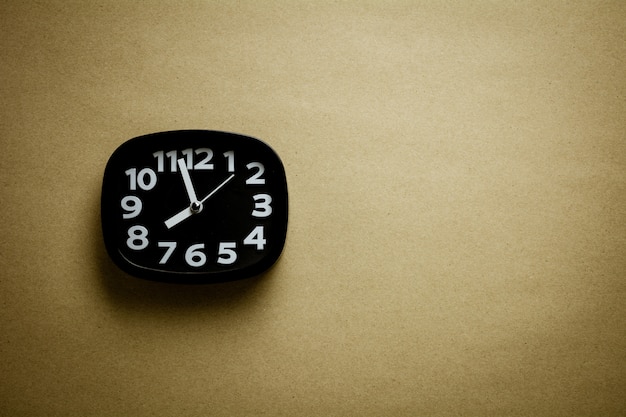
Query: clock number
(256, 179)
(262, 206)
(204, 163)
(225, 254)
(160, 160)
(194, 256)
(171, 155)
(137, 238)
(146, 179)
(132, 205)
(230, 160)
(187, 153)
(161, 156)
(170, 249)
(255, 238)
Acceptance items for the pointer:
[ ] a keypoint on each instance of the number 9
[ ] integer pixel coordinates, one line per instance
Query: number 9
(132, 205)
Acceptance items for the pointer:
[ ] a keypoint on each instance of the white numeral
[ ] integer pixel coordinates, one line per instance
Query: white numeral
(230, 159)
(226, 254)
(256, 179)
(170, 249)
(132, 205)
(137, 238)
(160, 160)
(205, 155)
(255, 238)
(204, 163)
(194, 257)
(188, 153)
(262, 206)
(171, 155)
(146, 179)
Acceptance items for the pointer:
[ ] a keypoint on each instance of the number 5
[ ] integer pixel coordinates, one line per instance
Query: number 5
(226, 254)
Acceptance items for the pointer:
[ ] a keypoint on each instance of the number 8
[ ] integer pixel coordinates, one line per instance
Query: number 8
(137, 234)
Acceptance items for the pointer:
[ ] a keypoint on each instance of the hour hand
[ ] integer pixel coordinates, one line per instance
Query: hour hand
(179, 217)
(187, 181)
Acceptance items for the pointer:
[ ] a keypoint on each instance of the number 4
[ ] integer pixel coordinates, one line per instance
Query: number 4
(255, 238)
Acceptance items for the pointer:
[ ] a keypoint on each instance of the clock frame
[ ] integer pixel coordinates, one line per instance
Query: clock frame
(194, 206)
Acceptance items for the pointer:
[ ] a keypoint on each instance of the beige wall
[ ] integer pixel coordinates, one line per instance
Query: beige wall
(457, 179)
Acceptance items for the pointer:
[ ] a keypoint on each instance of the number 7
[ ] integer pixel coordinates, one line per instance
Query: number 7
(170, 249)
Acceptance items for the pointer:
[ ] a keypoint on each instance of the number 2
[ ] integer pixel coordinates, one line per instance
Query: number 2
(256, 179)
(204, 163)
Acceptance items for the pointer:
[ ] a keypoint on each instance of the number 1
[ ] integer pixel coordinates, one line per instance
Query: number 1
(230, 159)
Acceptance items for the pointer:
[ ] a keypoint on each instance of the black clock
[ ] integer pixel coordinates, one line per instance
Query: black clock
(194, 206)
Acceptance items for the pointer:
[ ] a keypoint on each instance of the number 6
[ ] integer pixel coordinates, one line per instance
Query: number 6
(194, 257)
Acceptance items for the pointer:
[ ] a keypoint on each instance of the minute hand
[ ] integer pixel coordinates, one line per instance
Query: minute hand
(186, 213)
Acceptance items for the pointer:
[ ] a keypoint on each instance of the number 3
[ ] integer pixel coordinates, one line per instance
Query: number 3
(262, 206)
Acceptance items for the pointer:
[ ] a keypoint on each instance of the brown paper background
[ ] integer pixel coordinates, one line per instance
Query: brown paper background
(457, 237)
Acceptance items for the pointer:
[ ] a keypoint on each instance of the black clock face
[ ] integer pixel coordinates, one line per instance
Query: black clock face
(194, 206)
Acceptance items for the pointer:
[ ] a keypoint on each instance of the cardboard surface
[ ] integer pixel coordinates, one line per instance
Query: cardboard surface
(457, 180)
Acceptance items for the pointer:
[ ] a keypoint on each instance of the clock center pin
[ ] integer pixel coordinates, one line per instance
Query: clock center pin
(196, 207)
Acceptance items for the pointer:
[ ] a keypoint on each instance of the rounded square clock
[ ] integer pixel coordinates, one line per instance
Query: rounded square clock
(194, 206)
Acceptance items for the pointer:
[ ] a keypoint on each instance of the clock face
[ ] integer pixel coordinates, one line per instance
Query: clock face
(194, 206)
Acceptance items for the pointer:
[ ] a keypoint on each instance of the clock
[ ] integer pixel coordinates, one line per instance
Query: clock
(194, 206)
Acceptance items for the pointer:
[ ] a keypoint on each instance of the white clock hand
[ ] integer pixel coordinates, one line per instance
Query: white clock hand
(217, 188)
(188, 212)
(187, 180)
